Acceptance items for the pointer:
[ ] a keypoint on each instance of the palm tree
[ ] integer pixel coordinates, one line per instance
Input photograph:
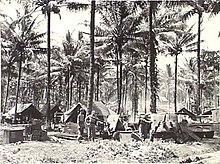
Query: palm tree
(198, 7)
(92, 58)
(167, 79)
(188, 77)
(176, 44)
(71, 48)
(118, 24)
(48, 7)
(8, 60)
(22, 42)
(159, 23)
(153, 74)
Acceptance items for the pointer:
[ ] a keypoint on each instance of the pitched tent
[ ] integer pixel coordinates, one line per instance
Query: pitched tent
(53, 109)
(71, 115)
(208, 112)
(26, 111)
(100, 108)
(55, 112)
(184, 111)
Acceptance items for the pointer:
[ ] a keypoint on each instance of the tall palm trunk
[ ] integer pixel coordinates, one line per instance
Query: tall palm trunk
(71, 91)
(97, 84)
(168, 96)
(118, 82)
(7, 88)
(119, 46)
(125, 92)
(60, 89)
(135, 96)
(18, 86)
(198, 63)
(48, 72)
(120, 78)
(175, 85)
(153, 77)
(34, 93)
(92, 58)
(68, 88)
(79, 88)
(145, 93)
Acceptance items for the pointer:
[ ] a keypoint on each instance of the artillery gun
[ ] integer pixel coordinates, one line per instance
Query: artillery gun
(166, 126)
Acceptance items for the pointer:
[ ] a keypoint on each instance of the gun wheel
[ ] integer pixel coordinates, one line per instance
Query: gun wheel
(182, 138)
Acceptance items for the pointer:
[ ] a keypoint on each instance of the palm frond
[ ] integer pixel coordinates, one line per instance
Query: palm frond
(30, 26)
(74, 6)
(189, 14)
(177, 3)
(215, 8)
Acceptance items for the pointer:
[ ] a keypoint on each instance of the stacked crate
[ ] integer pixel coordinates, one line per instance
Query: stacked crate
(37, 133)
(12, 135)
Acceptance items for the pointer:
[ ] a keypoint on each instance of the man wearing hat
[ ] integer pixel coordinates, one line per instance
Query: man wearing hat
(91, 122)
(81, 123)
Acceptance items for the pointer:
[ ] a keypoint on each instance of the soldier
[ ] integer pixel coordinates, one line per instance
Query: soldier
(91, 121)
(144, 126)
(81, 123)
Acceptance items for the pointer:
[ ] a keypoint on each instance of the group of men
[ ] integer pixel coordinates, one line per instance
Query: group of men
(90, 121)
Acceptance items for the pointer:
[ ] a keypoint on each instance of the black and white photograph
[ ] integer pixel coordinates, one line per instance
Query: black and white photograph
(110, 81)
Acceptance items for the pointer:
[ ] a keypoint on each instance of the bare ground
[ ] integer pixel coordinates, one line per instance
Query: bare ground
(108, 151)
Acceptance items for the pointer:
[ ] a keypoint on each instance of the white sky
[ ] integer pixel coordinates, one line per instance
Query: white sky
(72, 21)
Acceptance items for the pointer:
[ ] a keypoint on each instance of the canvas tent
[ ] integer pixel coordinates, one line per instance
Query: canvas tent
(53, 109)
(208, 112)
(71, 115)
(100, 108)
(55, 112)
(25, 112)
(184, 112)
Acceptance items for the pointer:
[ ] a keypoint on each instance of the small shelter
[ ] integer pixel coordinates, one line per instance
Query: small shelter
(186, 114)
(25, 112)
(100, 108)
(208, 112)
(206, 116)
(71, 115)
(55, 112)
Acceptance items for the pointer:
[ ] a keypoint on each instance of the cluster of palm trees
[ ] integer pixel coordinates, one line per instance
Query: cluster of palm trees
(118, 61)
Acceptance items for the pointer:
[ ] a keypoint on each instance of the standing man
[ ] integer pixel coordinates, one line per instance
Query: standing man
(144, 126)
(91, 122)
(81, 123)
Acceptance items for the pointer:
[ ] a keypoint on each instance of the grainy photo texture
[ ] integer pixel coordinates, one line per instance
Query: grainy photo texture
(94, 81)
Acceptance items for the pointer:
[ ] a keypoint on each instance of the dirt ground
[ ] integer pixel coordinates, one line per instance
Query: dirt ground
(109, 151)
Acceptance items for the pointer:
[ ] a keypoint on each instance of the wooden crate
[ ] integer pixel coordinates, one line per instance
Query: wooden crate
(12, 135)
(126, 136)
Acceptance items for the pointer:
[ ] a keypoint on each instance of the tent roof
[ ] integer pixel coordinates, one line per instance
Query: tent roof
(98, 106)
(54, 108)
(187, 112)
(26, 109)
(74, 107)
(20, 108)
(208, 112)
